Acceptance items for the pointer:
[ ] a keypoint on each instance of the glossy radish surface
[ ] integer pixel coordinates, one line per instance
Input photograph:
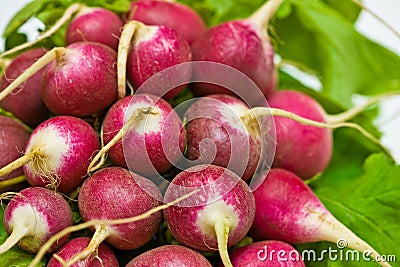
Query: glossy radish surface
(82, 81)
(181, 18)
(25, 102)
(170, 256)
(33, 216)
(154, 143)
(302, 149)
(95, 25)
(104, 256)
(217, 217)
(64, 146)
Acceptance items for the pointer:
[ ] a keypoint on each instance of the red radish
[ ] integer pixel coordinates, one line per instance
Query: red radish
(155, 141)
(242, 44)
(33, 216)
(287, 210)
(13, 139)
(105, 257)
(58, 153)
(216, 134)
(115, 193)
(25, 102)
(170, 256)
(217, 217)
(302, 149)
(95, 25)
(81, 82)
(154, 49)
(266, 254)
(184, 20)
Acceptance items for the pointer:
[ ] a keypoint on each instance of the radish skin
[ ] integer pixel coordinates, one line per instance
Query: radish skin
(288, 210)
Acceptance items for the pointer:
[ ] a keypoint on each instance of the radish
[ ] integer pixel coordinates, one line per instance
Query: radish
(266, 253)
(302, 149)
(184, 20)
(287, 210)
(115, 193)
(95, 25)
(25, 102)
(33, 216)
(58, 153)
(168, 256)
(13, 139)
(104, 256)
(217, 217)
(242, 44)
(217, 135)
(153, 137)
(154, 48)
(79, 80)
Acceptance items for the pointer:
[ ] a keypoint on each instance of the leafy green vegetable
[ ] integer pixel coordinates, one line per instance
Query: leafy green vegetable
(15, 257)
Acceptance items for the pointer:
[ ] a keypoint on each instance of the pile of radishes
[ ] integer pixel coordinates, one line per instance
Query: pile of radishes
(91, 124)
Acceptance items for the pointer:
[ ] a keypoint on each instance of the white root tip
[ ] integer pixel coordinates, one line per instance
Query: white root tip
(16, 235)
(222, 228)
(265, 13)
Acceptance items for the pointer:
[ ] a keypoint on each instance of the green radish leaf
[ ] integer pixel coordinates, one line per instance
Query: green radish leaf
(345, 61)
(347, 8)
(14, 257)
(15, 39)
(364, 196)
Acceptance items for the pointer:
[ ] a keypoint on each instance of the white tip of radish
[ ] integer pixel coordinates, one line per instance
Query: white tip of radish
(26, 221)
(212, 213)
(52, 142)
(151, 123)
(145, 33)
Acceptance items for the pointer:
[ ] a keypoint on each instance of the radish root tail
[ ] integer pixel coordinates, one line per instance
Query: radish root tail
(265, 13)
(222, 228)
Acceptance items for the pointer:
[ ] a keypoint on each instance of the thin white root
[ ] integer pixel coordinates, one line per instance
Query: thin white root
(333, 229)
(19, 232)
(43, 250)
(33, 69)
(136, 116)
(19, 162)
(377, 17)
(265, 13)
(222, 228)
(69, 12)
(123, 49)
(354, 111)
(99, 236)
(262, 111)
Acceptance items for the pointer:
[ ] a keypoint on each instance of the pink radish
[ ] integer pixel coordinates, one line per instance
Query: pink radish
(95, 25)
(302, 149)
(217, 217)
(217, 135)
(242, 44)
(287, 210)
(154, 142)
(185, 21)
(58, 153)
(13, 139)
(33, 216)
(25, 102)
(115, 193)
(168, 256)
(81, 82)
(266, 254)
(153, 49)
(105, 257)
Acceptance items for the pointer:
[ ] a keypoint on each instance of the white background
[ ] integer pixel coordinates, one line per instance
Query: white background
(389, 119)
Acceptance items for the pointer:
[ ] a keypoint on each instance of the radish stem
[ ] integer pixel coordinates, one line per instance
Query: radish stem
(222, 228)
(56, 52)
(43, 250)
(20, 162)
(20, 231)
(136, 116)
(265, 13)
(69, 12)
(99, 236)
(123, 49)
(12, 181)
